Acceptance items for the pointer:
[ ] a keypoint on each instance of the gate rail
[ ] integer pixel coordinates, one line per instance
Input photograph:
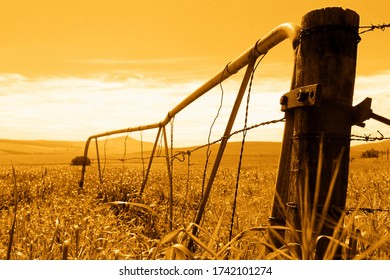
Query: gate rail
(262, 46)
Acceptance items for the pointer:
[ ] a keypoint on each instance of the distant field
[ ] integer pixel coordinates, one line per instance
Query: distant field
(43, 152)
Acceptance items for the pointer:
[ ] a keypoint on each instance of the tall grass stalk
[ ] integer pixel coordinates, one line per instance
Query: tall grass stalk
(12, 231)
(313, 222)
(305, 232)
(65, 250)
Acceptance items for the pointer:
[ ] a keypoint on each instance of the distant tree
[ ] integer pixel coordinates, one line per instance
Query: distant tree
(372, 153)
(79, 160)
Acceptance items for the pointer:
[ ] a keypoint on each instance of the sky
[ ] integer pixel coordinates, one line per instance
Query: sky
(72, 68)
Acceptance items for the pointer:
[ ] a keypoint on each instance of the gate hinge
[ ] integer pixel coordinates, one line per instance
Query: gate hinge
(306, 96)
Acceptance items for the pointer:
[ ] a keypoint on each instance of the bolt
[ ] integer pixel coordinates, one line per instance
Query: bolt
(283, 100)
(302, 95)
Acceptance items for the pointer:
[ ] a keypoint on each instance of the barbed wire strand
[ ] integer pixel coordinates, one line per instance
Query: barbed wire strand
(180, 155)
(208, 152)
(348, 210)
(124, 156)
(373, 27)
(172, 122)
(105, 157)
(188, 175)
(242, 147)
(368, 138)
(142, 155)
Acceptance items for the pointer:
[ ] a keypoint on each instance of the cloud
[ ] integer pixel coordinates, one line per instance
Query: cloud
(113, 61)
(73, 108)
(171, 69)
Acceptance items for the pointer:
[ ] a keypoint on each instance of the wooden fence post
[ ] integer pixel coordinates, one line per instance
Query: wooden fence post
(318, 126)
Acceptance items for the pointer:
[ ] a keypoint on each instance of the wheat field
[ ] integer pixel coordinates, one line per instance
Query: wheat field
(45, 215)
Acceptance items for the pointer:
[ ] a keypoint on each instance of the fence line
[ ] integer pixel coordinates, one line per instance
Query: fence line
(179, 155)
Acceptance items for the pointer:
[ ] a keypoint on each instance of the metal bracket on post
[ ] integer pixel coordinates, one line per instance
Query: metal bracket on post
(306, 96)
(363, 112)
(309, 96)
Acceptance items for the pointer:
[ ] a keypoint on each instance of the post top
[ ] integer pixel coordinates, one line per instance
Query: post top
(330, 16)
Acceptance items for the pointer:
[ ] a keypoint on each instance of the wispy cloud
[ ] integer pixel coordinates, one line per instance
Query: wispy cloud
(113, 61)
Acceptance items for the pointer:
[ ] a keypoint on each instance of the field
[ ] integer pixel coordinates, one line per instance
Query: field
(45, 215)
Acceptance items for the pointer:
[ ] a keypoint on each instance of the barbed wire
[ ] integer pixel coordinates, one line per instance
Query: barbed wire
(348, 210)
(244, 133)
(357, 137)
(373, 27)
(369, 138)
(180, 155)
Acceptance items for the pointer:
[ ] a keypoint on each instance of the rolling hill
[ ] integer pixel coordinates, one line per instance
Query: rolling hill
(382, 146)
(48, 152)
(45, 152)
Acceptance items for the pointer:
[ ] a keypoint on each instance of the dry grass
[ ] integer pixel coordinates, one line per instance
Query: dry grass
(49, 217)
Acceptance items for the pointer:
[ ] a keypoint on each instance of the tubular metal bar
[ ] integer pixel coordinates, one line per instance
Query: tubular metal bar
(262, 46)
(380, 118)
(169, 178)
(150, 162)
(98, 159)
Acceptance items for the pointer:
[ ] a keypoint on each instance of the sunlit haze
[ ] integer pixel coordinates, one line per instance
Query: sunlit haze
(71, 68)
